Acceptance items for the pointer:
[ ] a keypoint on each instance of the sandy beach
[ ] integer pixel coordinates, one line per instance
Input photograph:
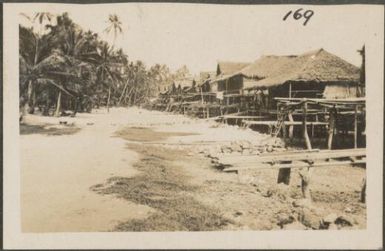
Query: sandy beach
(135, 170)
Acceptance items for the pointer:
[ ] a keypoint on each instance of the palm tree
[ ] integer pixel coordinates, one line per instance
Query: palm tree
(69, 41)
(115, 26)
(34, 39)
(107, 68)
(48, 71)
(58, 61)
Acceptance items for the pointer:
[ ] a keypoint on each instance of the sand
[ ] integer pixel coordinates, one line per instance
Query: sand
(66, 178)
(58, 171)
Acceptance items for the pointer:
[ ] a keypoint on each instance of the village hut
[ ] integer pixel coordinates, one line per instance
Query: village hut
(227, 81)
(315, 74)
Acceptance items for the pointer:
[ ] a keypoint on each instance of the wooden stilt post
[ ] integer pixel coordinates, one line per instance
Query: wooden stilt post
(289, 90)
(284, 135)
(208, 112)
(305, 173)
(221, 111)
(312, 130)
(291, 127)
(304, 125)
(331, 128)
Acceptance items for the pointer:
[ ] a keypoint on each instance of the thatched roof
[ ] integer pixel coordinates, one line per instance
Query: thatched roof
(314, 66)
(227, 68)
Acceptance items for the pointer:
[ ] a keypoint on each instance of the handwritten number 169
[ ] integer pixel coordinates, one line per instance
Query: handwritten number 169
(298, 15)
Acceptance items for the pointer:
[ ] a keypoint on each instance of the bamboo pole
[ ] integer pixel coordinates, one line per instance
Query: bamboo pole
(289, 90)
(331, 128)
(305, 173)
(304, 124)
(291, 127)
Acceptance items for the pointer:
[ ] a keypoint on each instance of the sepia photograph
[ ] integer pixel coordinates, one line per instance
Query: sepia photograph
(167, 118)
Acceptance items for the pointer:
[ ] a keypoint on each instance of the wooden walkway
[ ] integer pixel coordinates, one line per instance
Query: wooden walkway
(305, 160)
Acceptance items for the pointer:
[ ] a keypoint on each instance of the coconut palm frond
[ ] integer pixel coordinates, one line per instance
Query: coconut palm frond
(54, 61)
(45, 81)
(26, 16)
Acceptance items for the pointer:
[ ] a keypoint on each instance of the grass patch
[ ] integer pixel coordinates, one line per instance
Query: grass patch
(161, 185)
(41, 129)
(144, 134)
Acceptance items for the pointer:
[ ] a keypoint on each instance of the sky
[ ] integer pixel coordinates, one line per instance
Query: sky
(198, 35)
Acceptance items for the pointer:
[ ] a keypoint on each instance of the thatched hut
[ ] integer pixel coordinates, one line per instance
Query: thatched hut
(227, 81)
(315, 74)
(318, 72)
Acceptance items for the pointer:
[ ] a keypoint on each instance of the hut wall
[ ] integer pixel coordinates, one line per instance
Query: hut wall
(334, 91)
(231, 85)
(304, 89)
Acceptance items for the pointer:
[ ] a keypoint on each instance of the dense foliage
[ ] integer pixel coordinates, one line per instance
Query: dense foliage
(62, 67)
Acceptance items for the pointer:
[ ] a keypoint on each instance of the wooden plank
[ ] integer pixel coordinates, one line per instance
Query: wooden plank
(223, 116)
(295, 165)
(296, 156)
(336, 101)
(287, 123)
(243, 117)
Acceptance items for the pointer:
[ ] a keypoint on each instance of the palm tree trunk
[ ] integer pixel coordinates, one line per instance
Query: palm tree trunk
(127, 96)
(36, 51)
(47, 104)
(58, 105)
(123, 92)
(108, 99)
(28, 108)
(133, 103)
(30, 104)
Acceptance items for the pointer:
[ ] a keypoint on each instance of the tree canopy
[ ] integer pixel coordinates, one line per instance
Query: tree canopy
(63, 67)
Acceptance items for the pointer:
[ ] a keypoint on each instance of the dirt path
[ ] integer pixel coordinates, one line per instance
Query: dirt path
(136, 170)
(58, 170)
